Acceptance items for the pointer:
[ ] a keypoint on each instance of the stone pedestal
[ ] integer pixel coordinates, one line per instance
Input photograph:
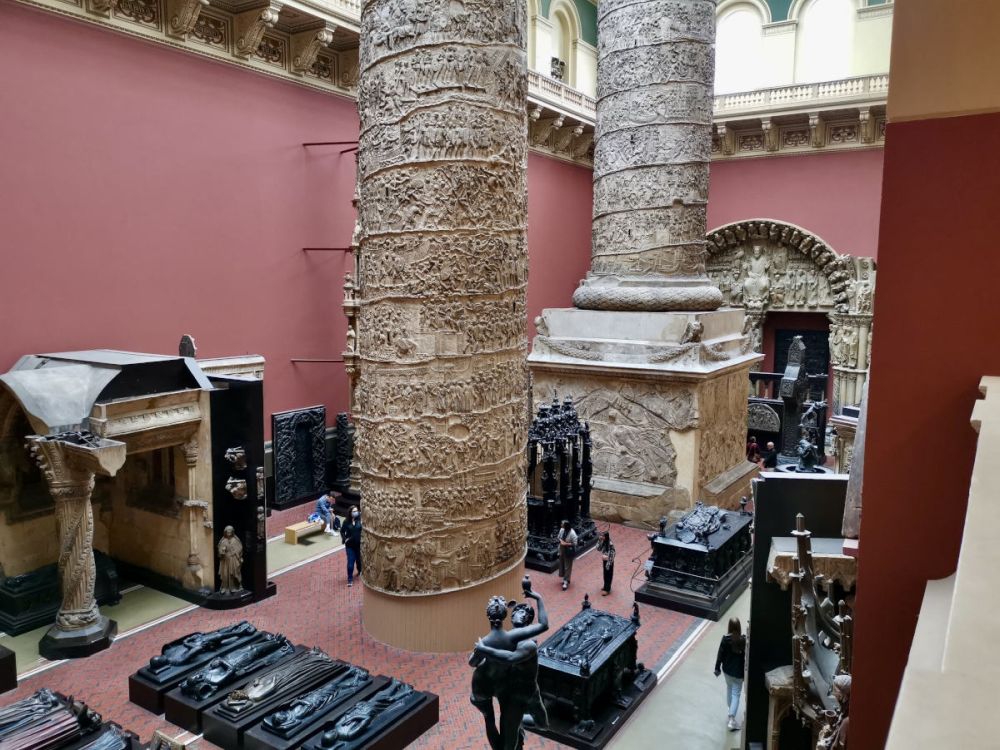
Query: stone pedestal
(665, 395)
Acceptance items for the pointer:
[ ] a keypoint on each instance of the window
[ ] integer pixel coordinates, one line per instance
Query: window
(825, 40)
(565, 32)
(738, 51)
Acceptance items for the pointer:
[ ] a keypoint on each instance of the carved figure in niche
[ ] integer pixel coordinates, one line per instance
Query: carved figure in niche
(812, 286)
(230, 562)
(833, 736)
(757, 282)
(186, 649)
(506, 668)
(864, 295)
(851, 347)
(778, 291)
(798, 287)
(737, 278)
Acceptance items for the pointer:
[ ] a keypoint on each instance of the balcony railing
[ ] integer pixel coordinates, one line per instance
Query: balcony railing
(560, 96)
(804, 96)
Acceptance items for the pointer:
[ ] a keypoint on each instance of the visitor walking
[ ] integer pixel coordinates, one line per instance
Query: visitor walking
(324, 509)
(350, 532)
(769, 458)
(567, 551)
(732, 661)
(607, 550)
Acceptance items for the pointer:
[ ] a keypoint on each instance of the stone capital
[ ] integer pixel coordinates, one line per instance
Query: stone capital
(306, 46)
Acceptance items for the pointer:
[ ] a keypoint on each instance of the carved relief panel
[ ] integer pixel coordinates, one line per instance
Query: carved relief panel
(298, 438)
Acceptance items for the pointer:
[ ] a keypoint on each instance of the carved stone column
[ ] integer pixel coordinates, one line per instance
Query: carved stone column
(655, 75)
(442, 413)
(69, 462)
(659, 372)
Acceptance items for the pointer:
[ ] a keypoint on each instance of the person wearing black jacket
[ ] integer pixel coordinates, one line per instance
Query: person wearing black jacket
(731, 661)
(350, 533)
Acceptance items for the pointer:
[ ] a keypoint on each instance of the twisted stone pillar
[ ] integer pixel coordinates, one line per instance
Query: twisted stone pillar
(655, 75)
(441, 401)
(68, 463)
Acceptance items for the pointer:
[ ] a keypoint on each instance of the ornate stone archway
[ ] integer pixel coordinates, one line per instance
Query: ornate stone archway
(769, 266)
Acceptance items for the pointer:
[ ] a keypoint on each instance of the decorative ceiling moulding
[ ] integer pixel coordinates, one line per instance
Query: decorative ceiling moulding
(270, 33)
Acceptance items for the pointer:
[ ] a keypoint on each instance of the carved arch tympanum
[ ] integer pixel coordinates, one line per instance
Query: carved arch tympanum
(763, 265)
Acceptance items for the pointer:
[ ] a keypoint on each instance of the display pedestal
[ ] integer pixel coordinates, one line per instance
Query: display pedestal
(8, 670)
(665, 395)
(59, 644)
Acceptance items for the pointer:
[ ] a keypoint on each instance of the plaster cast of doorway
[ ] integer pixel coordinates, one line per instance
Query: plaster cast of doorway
(764, 265)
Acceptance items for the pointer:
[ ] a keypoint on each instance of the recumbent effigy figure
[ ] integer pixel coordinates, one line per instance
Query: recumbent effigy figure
(506, 668)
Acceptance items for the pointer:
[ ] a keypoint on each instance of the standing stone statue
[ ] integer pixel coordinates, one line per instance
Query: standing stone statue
(443, 383)
(230, 562)
(506, 668)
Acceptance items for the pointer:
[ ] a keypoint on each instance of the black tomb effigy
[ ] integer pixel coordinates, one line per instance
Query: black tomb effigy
(251, 689)
(48, 720)
(559, 473)
(179, 658)
(699, 564)
(590, 679)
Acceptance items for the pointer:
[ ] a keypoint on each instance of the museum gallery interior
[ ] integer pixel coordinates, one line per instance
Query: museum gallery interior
(499, 374)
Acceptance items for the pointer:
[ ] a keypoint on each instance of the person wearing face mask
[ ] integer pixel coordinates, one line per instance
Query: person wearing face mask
(350, 532)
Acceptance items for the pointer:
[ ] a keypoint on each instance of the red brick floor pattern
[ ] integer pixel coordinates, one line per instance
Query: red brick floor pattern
(314, 607)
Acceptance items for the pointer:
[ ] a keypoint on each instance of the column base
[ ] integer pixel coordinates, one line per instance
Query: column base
(72, 644)
(437, 623)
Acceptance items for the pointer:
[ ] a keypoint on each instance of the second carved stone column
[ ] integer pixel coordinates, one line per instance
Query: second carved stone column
(653, 146)
(442, 412)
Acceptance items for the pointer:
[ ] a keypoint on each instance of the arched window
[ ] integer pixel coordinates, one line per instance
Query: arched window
(824, 40)
(739, 63)
(565, 32)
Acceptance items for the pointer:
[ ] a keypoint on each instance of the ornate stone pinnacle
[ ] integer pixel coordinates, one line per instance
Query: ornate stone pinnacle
(653, 140)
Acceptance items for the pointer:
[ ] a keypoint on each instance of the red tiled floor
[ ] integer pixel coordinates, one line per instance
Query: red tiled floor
(314, 607)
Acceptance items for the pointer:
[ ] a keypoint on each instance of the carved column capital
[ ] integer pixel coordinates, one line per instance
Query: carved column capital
(306, 47)
(249, 28)
(191, 453)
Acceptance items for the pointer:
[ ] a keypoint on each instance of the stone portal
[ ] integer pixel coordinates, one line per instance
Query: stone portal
(441, 400)
(652, 364)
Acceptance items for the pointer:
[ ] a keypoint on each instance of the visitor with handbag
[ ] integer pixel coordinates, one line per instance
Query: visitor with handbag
(731, 661)
(567, 551)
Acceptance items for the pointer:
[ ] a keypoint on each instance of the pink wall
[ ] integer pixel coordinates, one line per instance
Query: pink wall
(150, 193)
(560, 201)
(835, 195)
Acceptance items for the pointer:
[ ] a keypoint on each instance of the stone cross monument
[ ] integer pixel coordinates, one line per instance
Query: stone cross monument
(653, 364)
(442, 410)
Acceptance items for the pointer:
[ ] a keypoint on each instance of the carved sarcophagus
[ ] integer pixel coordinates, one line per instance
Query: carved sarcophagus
(559, 472)
(45, 720)
(589, 678)
(698, 564)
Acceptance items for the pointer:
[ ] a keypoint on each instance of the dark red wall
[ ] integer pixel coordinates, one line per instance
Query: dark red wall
(936, 324)
(834, 195)
(149, 193)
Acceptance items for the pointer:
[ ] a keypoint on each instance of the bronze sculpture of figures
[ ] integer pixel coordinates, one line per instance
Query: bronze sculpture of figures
(230, 562)
(506, 668)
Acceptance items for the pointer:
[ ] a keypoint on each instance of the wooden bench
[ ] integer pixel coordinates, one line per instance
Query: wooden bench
(298, 530)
